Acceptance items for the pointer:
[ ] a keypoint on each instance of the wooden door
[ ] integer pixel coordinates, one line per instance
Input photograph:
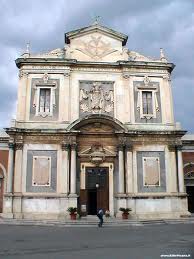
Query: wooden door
(1, 193)
(103, 189)
(96, 194)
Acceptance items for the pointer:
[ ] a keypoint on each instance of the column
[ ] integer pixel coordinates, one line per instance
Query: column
(73, 170)
(121, 169)
(65, 169)
(129, 169)
(10, 168)
(18, 168)
(180, 170)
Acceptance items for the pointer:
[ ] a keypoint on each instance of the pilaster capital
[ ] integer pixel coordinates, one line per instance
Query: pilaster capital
(65, 146)
(167, 77)
(66, 73)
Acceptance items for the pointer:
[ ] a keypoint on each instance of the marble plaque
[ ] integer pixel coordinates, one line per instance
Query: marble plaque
(41, 170)
(151, 171)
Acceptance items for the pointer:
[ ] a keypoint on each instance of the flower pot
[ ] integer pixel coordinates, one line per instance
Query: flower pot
(73, 216)
(125, 215)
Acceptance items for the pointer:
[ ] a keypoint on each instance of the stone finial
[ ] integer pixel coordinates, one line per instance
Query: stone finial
(162, 55)
(26, 54)
(28, 48)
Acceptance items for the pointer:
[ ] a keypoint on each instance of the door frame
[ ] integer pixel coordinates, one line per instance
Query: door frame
(110, 172)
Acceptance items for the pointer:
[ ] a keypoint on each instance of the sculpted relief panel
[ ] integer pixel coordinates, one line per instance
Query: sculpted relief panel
(96, 98)
(96, 47)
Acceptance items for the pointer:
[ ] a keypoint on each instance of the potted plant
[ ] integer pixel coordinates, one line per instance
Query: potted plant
(125, 212)
(72, 212)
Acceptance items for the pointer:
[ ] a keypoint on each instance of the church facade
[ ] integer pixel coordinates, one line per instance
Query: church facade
(94, 129)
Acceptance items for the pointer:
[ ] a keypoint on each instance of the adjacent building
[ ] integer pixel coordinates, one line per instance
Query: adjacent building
(94, 129)
(188, 165)
(4, 154)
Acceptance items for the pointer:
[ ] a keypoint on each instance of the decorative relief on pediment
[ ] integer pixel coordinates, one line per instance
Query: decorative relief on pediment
(96, 47)
(96, 98)
(97, 153)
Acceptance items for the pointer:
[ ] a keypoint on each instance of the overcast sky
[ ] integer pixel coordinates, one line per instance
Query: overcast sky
(150, 24)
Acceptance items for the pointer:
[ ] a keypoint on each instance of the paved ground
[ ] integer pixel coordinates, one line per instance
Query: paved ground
(134, 242)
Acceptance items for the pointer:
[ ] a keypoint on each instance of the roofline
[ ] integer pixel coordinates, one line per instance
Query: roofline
(72, 62)
(95, 27)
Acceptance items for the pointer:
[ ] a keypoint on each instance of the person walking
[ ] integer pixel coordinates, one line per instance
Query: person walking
(100, 214)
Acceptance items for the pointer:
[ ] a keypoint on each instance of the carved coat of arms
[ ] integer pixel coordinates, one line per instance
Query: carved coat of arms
(96, 100)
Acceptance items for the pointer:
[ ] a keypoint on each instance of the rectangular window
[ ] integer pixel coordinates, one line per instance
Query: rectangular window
(147, 102)
(44, 100)
(41, 172)
(151, 171)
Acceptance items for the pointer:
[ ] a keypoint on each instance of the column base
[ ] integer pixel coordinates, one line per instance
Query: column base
(121, 195)
(7, 215)
(73, 195)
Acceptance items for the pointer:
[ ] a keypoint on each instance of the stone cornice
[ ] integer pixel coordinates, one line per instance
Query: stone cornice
(62, 132)
(73, 62)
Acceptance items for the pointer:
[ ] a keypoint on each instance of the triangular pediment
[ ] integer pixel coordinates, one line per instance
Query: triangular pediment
(96, 43)
(93, 29)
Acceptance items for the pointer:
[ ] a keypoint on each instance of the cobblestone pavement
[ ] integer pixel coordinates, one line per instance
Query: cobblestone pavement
(150, 241)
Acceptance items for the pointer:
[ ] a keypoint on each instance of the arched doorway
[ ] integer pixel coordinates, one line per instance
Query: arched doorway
(97, 143)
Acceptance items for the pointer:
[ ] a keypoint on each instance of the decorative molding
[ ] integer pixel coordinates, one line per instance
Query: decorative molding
(22, 73)
(146, 80)
(126, 75)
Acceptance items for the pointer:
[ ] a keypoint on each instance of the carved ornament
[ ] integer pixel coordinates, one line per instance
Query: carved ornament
(96, 100)
(96, 47)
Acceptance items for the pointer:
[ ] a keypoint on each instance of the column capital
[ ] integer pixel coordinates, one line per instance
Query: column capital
(65, 146)
(129, 147)
(172, 147)
(11, 145)
(73, 146)
(120, 147)
(179, 147)
(19, 145)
